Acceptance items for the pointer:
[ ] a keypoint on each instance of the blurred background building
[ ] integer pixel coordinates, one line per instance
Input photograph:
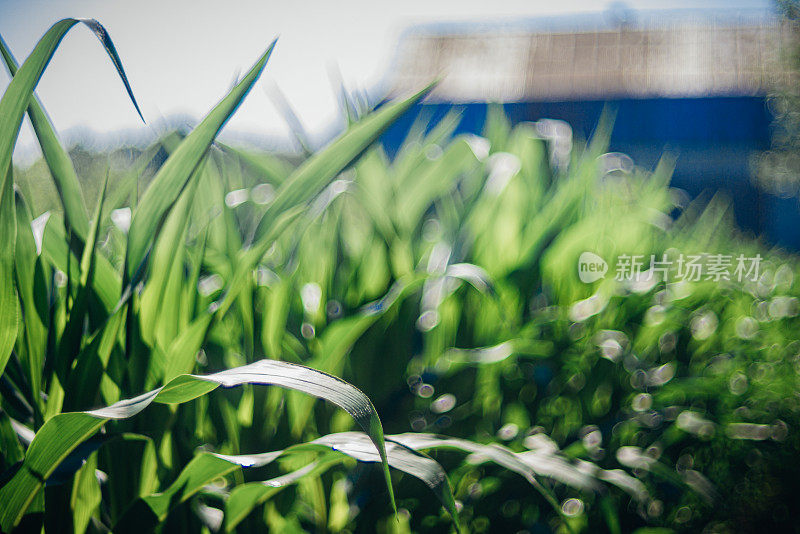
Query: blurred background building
(693, 84)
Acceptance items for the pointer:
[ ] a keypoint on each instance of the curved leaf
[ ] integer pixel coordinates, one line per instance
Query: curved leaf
(401, 457)
(18, 94)
(146, 513)
(245, 497)
(58, 160)
(530, 464)
(203, 469)
(64, 432)
(496, 453)
(17, 97)
(354, 444)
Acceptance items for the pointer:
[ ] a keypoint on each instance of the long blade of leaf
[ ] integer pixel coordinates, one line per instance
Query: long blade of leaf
(500, 455)
(176, 171)
(58, 161)
(402, 458)
(308, 180)
(18, 98)
(146, 513)
(33, 295)
(9, 316)
(70, 343)
(354, 444)
(314, 174)
(61, 434)
(106, 282)
(245, 497)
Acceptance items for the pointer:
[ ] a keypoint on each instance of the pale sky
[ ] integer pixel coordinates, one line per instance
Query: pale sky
(181, 56)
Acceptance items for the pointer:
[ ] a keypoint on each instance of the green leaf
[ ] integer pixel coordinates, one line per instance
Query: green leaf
(131, 460)
(18, 97)
(529, 465)
(58, 160)
(402, 458)
(148, 512)
(84, 380)
(203, 469)
(180, 358)
(495, 453)
(354, 444)
(313, 175)
(33, 294)
(173, 176)
(56, 439)
(106, 283)
(9, 307)
(428, 182)
(86, 495)
(70, 343)
(307, 181)
(160, 300)
(339, 337)
(64, 432)
(245, 497)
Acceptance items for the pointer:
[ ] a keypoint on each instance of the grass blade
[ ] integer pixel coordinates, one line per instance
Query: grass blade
(500, 455)
(106, 282)
(148, 512)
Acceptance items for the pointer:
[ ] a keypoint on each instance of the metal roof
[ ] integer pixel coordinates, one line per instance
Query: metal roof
(678, 57)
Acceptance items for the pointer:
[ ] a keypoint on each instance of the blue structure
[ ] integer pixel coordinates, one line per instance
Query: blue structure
(714, 132)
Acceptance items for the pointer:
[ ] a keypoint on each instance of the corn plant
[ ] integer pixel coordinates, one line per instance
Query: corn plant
(65, 320)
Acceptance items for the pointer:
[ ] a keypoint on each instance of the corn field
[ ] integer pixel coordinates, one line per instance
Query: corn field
(172, 317)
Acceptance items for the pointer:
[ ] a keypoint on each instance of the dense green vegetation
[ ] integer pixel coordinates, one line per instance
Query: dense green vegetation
(504, 393)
